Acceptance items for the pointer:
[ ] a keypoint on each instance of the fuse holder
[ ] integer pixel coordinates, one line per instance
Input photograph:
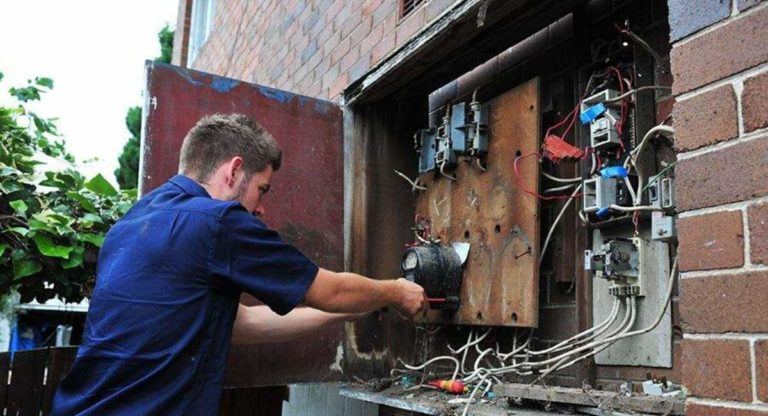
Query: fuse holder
(592, 113)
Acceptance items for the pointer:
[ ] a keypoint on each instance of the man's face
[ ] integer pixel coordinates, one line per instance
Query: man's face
(251, 193)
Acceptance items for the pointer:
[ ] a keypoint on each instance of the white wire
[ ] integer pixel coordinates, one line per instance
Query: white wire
(472, 395)
(554, 223)
(661, 128)
(635, 91)
(632, 193)
(472, 343)
(560, 365)
(414, 184)
(560, 188)
(637, 208)
(440, 358)
(557, 179)
(613, 338)
(606, 322)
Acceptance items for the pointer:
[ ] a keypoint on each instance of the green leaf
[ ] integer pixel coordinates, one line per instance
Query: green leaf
(88, 220)
(20, 207)
(95, 239)
(3, 247)
(44, 81)
(101, 186)
(23, 266)
(18, 230)
(9, 187)
(75, 259)
(84, 202)
(48, 248)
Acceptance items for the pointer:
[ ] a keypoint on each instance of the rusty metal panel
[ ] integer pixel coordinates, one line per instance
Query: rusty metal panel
(305, 205)
(491, 211)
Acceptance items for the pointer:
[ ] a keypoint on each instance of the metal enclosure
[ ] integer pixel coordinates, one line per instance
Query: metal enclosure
(653, 349)
(305, 206)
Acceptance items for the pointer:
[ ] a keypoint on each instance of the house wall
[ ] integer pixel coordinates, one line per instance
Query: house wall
(719, 55)
(310, 47)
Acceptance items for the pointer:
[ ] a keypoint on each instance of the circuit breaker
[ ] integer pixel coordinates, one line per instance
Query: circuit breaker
(602, 118)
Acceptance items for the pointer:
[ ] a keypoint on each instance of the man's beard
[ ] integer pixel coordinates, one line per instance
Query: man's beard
(241, 189)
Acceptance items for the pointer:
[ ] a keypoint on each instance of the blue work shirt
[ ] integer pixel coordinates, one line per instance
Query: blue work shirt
(169, 278)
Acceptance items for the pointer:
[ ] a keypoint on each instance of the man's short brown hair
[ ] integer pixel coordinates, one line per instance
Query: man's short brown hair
(220, 137)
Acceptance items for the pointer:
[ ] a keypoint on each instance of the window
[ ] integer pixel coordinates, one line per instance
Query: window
(407, 6)
(200, 27)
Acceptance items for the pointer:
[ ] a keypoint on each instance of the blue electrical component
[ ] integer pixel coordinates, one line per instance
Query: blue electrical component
(602, 212)
(614, 172)
(592, 113)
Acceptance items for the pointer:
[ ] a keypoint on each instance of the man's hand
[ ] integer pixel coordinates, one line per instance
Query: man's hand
(412, 299)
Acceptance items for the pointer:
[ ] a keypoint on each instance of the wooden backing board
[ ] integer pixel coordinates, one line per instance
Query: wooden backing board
(499, 220)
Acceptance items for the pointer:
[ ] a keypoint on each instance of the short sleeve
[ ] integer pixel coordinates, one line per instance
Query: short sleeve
(254, 259)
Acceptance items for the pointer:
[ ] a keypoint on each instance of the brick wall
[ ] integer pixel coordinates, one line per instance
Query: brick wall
(719, 61)
(310, 47)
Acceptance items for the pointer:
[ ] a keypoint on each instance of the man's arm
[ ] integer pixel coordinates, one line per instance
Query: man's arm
(353, 293)
(259, 324)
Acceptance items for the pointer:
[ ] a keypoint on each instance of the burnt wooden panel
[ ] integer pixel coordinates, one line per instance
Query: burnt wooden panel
(59, 362)
(491, 211)
(25, 391)
(305, 206)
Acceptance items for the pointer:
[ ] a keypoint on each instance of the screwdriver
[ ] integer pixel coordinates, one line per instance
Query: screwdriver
(450, 386)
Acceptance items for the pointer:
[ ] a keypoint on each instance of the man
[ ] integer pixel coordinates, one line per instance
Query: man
(171, 271)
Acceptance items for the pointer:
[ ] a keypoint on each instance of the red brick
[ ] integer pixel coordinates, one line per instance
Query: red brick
(745, 4)
(664, 109)
(340, 50)
(372, 39)
(383, 48)
(436, 7)
(337, 87)
(711, 241)
(410, 25)
(349, 59)
(718, 369)
(706, 118)
(754, 102)
(385, 10)
(370, 6)
(732, 48)
(735, 173)
(695, 409)
(360, 31)
(758, 233)
(761, 367)
(725, 303)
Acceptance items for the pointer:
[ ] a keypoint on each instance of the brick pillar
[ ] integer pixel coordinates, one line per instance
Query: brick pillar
(719, 62)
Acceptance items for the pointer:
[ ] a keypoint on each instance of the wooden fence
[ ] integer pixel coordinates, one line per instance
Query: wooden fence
(29, 381)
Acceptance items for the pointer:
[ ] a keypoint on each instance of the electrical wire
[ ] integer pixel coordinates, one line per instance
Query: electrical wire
(440, 358)
(560, 188)
(558, 179)
(635, 91)
(556, 221)
(607, 322)
(414, 184)
(644, 45)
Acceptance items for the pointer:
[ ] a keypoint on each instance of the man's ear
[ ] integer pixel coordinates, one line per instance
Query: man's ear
(233, 166)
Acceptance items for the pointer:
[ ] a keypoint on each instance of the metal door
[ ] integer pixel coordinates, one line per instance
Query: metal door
(305, 204)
